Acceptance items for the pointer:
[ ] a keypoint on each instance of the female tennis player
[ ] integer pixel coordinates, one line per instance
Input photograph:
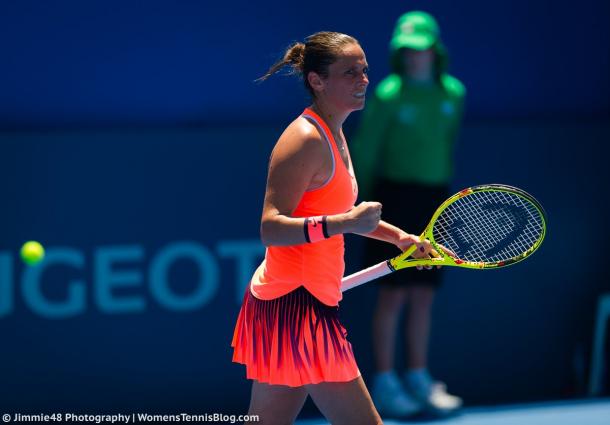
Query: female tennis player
(288, 333)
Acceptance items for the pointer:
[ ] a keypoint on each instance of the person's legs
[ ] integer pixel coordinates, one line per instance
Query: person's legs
(390, 301)
(345, 403)
(419, 383)
(420, 298)
(388, 394)
(276, 404)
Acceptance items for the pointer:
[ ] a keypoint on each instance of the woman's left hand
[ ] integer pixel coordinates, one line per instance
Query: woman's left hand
(424, 248)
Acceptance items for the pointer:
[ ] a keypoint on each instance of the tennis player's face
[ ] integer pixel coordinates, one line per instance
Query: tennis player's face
(347, 80)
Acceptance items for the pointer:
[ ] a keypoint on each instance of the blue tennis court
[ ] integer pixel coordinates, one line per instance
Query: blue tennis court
(552, 413)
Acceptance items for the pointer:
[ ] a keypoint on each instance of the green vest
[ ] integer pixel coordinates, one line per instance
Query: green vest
(407, 133)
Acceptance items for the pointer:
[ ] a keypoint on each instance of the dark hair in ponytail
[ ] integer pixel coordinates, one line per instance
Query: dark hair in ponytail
(318, 52)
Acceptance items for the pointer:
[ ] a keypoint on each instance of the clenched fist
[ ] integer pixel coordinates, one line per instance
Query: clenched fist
(364, 217)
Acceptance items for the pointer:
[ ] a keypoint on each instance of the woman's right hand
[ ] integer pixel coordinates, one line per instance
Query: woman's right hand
(363, 218)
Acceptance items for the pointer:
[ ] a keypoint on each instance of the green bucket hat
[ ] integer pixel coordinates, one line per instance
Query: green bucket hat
(415, 30)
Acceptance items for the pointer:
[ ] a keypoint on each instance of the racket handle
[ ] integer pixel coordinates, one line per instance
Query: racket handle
(366, 275)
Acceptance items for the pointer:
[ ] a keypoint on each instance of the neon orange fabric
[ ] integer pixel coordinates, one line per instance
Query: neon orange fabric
(317, 266)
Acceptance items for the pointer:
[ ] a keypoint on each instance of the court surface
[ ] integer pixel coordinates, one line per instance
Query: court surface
(593, 412)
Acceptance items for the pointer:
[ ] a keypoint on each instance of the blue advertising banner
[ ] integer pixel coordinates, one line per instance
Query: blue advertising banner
(152, 236)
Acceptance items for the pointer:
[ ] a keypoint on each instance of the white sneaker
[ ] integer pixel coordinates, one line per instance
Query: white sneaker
(390, 398)
(434, 396)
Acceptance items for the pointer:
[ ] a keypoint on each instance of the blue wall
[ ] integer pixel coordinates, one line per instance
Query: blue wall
(152, 236)
(75, 63)
(134, 146)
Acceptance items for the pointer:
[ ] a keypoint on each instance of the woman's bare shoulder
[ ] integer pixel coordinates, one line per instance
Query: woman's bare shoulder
(301, 136)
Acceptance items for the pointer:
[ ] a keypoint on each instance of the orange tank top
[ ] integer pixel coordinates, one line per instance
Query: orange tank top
(317, 266)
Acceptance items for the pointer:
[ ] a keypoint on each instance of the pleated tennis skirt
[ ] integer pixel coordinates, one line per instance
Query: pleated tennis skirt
(292, 340)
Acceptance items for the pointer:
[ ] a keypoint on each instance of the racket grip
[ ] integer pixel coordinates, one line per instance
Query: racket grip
(366, 275)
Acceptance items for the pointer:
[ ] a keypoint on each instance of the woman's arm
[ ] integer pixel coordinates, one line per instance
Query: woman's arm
(389, 233)
(299, 157)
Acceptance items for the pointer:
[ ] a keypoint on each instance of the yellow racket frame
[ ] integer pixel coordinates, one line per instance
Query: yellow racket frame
(403, 261)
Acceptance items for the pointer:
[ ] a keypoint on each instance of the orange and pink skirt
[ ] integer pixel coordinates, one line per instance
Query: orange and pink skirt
(292, 340)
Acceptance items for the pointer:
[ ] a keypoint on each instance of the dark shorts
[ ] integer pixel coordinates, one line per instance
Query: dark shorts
(410, 207)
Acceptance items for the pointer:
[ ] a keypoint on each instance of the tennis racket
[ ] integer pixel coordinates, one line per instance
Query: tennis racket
(484, 227)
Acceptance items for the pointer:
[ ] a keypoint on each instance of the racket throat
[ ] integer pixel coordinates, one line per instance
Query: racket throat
(390, 266)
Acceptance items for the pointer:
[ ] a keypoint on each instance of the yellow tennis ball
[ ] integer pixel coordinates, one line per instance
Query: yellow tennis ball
(32, 253)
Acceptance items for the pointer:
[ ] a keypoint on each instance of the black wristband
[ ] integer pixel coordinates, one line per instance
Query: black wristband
(306, 230)
(324, 228)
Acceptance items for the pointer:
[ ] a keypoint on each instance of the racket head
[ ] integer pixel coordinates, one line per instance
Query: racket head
(488, 226)
(485, 226)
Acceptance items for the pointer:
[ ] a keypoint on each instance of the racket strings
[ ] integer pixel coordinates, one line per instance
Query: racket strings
(508, 221)
(489, 226)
